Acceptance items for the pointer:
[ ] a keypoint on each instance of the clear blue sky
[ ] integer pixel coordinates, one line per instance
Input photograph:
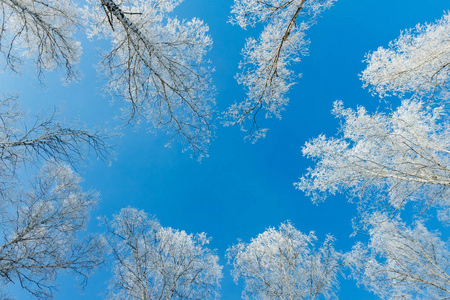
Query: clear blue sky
(241, 189)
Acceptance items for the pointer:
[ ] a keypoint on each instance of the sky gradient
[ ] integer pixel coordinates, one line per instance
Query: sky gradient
(242, 188)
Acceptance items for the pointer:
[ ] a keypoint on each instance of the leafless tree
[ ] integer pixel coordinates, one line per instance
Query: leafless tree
(43, 138)
(265, 67)
(154, 262)
(40, 228)
(40, 221)
(402, 262)
(42, 30)
(156, 64)
(284, 263)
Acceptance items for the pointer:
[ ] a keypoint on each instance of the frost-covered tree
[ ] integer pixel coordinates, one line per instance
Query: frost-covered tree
(41, 30)
(402, 262)
(399, 157)
(24, 139)
(40, 226)
(284, 263)
(157, 65)
(155, 262)
(389, 159)
(403, 155)
(418, 62)
(265, 65)
(40, 221)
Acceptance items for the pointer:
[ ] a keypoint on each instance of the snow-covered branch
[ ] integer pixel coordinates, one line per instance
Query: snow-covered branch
(400, 157)
(418, 62)
(402, 262)
(284, 263)
(265, 67)
(157, 65)
(154, 262)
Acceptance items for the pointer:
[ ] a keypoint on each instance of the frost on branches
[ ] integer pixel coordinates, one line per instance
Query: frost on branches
(39, 231)
(42, 31)
(25, 139)
(154, 262)
(418, 62)
(40, 221)
(284, 263)
(402, 262)
(157, 65)
(265, 66)
(401, 157)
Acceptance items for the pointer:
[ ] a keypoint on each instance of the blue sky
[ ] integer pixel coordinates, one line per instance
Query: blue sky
(241, 189)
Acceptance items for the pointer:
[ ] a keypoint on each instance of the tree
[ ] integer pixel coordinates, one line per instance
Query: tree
(265, 72)
(40, 220)
(24, 139)
(39, 231)
(401, 262)
(42, 30)
(157, 65)
(154, 262)
(26, 143)
(418, 62)
(401, 157)
(285, 264)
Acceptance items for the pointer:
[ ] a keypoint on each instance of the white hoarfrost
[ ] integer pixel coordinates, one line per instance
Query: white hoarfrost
(402, 262)
(40, 221)
(265, 71)
(42, 31)
(386, 160)
(418, 62)
(154, 262)
(284, 263)
(39, 231)
(400, 157)
(157, 66)
(26, 139)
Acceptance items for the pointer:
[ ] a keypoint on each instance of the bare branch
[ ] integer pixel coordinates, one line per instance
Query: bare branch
(265, 72)
(284, 264)
(42, 31)
(156, 64)
(40, 229)
(153, 262)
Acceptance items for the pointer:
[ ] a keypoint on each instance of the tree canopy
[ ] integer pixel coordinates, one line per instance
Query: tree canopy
(284, 263)
(389, 157)
(154, 262)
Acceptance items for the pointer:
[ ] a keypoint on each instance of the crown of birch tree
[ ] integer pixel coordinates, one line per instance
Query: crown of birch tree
(265, 66)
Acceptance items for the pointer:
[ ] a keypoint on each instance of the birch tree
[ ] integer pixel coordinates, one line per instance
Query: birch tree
(155, 262)
(157, 66)
(41, 30)
(402, 262)
(400, 156)
(418, 63)
(284, 263)
(40, 228)
(265, 72)
(26, 139)
(384, 159)
(40, 220)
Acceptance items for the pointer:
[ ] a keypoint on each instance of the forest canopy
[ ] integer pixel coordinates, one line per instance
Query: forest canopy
(118, 126)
